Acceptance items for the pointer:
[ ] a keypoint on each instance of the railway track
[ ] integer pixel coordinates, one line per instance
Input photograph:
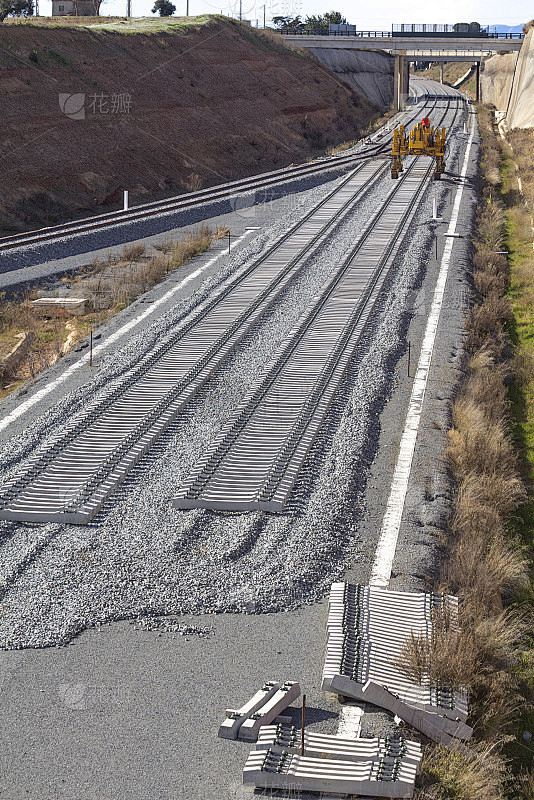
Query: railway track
(256, 459)
(254, 462)
(71, 478)
(184, 202)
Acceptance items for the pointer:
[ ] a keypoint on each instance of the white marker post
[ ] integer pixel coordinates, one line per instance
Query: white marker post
(125, 193)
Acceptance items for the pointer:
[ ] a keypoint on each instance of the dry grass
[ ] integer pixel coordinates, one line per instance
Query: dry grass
(484, 566)
(453, 775)
(490, 225)
(479, 445)
(193, 182)
(114, 285)
(522, 143)
(491, 152)
(459, 652)
(484, 325)
(16, 316)
(490, 271)
(525, 785)
(133, 252)
(109, 286)
(340, 148)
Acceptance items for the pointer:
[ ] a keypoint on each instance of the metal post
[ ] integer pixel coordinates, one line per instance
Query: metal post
(91, 350)
(436, 241)
(477, 94)
(303, 724)
(125, 197)
(240, 10)
(264, 17)
(128, 8)
(187, 8)
(435, 208)
(228, 242)
(409, 357)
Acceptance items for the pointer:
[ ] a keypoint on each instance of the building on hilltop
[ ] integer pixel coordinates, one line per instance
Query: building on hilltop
(75, 8)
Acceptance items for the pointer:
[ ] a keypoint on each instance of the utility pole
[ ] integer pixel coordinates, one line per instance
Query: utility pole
(187, 8)
(128, 8)
(36, 8)
(264, 17)
(240, 10)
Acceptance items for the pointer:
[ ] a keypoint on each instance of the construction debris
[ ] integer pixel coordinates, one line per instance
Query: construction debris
(367, 628)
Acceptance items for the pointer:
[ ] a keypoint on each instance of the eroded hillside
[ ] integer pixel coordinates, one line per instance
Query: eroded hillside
(162, 112)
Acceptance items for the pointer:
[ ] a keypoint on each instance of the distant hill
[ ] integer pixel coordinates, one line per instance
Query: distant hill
(508, 28)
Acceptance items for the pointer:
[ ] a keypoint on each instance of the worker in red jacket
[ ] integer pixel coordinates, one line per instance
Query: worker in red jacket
(425, 122)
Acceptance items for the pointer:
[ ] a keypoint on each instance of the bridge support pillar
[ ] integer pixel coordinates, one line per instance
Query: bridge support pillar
(441, 71)
(477, 93)
(399, 81)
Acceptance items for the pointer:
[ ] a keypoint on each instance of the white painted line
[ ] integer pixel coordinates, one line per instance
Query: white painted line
(38, 396)
(387, 543)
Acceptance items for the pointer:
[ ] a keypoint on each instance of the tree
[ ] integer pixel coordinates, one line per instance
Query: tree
(319, 23)
(15, 8)
(165, 8)
(288, 23)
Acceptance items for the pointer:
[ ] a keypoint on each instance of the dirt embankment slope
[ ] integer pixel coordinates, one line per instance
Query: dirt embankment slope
(162, 112)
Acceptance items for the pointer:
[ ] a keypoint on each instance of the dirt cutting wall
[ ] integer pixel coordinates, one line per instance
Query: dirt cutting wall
(521, 111)
(87, 113)
(507, 82)
(496, 80)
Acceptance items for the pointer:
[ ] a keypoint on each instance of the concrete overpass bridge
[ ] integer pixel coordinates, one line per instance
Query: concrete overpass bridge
(406, 48)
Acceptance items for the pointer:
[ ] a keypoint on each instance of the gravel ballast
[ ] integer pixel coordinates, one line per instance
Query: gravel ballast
(142, 557)
(129, 712)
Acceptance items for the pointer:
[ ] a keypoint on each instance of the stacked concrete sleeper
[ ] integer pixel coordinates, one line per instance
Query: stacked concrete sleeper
(367, 626)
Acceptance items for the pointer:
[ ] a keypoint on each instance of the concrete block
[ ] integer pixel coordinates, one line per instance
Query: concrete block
(235, 718)
(283, 697)
(326, 746)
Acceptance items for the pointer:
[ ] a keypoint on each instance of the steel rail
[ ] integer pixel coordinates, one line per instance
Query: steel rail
(184, 202)
(254, 462)
(70, 479)
(181, 202)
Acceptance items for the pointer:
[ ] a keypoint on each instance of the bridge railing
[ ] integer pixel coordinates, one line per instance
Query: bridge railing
(397, 34)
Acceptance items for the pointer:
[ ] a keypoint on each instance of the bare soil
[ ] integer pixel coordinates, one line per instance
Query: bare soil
(166, 110)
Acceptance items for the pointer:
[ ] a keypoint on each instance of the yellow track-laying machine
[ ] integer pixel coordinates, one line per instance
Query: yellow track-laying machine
(423, 140)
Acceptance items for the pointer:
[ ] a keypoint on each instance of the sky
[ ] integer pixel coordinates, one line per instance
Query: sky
(366, 16)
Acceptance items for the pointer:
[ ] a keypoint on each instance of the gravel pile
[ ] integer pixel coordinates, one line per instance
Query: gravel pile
(141, 558)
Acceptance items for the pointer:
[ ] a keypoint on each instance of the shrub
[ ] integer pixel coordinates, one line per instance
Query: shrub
(133, 252)
(459, 652)
(455, 775)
